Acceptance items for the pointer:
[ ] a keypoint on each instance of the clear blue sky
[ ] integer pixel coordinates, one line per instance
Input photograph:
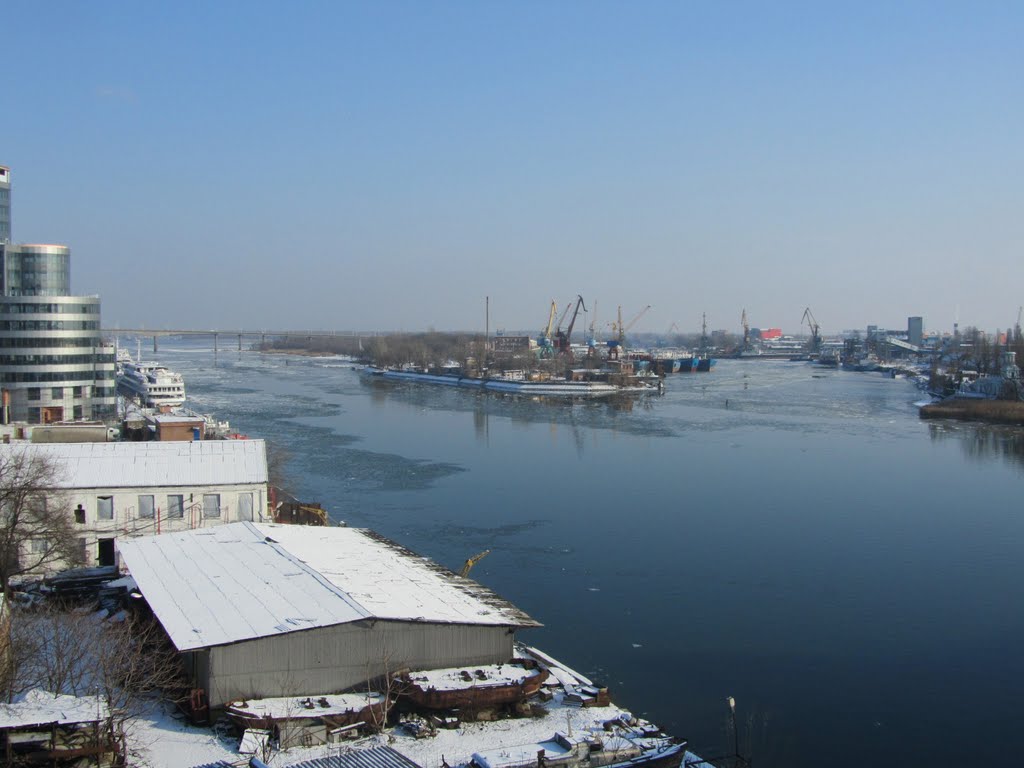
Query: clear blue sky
(388, 165)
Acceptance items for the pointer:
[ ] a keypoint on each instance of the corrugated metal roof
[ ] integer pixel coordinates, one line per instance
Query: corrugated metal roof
(152, 464)
(241, 581)
(375, 757)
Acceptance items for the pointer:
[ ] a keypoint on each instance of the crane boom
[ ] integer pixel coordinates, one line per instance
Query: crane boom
(814, 327)
(551, 319)
(564, 339)
(471, 561)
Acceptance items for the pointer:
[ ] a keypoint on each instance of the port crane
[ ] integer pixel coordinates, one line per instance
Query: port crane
(544, 342)
(592, 339)
(620, 331)
(746, 329)
(815, 328)
(562, 341)
(471, 561)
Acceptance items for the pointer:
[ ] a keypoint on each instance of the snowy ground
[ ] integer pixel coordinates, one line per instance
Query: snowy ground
(163, 740)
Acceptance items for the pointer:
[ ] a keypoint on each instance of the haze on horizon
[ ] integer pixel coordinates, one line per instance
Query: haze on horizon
(388, 165)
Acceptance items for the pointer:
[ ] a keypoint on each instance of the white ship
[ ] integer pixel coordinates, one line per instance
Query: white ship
(151, 384)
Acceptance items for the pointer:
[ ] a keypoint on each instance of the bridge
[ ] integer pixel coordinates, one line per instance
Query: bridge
(216, 334)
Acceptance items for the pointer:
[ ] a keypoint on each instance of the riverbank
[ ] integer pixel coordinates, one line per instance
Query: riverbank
(990, 411)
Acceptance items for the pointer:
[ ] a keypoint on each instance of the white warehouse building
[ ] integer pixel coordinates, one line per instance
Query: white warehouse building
(117, 490)
(265, 610)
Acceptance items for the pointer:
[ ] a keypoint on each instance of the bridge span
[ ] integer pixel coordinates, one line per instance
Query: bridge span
(217, 334)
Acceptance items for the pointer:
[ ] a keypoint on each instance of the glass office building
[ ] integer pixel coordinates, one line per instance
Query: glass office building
(54, 365)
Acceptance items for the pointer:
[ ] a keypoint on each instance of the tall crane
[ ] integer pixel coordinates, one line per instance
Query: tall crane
(544, 341)
(815, 328)
(563, 339)
(703, 331)
(620, 328)
(592, 339)
(746, 329)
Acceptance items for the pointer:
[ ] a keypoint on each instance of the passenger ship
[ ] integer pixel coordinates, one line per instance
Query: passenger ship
(151, 384)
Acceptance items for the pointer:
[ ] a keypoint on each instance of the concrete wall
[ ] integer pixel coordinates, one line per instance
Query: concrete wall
(333, 659)
(128, 520)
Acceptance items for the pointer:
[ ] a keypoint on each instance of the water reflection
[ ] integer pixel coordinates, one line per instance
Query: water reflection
(983, 442)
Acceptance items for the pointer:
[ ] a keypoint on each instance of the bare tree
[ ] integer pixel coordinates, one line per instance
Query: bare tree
(36, 529)
(78, 652)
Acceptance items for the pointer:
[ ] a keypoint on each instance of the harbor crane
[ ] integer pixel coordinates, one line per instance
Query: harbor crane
(562, 341)
(815, 328)
(544, 342)
(620, 331)
(746, 329)
(592, 339)
(471, 561)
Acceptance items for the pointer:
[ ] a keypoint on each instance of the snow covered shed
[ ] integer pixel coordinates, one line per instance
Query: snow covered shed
(262, 610)
(117, 490)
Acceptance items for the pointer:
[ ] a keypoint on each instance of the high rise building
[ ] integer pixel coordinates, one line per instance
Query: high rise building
(5, 205)
(915, 330)
(54, 365)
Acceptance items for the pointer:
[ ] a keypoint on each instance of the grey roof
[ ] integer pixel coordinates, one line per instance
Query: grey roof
(241, 581)
(375, 757)
(152, 464)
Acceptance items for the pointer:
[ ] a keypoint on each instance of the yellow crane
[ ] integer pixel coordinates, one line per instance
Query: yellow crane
(545, 337)
(470, 562)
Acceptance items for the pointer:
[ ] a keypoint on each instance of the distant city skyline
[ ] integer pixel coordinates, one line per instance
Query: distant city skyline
(387, 166)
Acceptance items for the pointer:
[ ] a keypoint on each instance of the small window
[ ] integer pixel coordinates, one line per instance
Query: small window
(211, 505)
(58, 393)
(105, 508)
(76, 392)
(33, 393)
(175, 505)
(38, 546)
(146, 506)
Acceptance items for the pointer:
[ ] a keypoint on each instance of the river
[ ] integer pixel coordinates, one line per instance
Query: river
(791, 536)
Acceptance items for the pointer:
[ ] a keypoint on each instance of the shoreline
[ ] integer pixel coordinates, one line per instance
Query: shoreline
(1005, 412)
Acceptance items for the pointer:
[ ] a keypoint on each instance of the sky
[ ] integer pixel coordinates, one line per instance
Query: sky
(389, 165)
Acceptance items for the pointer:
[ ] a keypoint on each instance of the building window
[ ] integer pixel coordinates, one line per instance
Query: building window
(33, 415)
(33, 393)
(175, 505)
(146, 505)
(80, 514)
(76, 392)
(38, 546)
(211, 505)
(245, 506)
(105, 508)
(77, 410)
(58, 393)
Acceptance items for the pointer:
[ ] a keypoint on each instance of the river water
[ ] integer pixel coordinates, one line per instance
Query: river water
(791, 536)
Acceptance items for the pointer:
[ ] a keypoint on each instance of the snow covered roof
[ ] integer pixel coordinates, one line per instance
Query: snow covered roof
(375, 757)
(151, 464)
(44, 708)
(241, 581)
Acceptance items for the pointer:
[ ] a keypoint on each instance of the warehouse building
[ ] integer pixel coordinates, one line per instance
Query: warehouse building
(115, 490)
(263, 610)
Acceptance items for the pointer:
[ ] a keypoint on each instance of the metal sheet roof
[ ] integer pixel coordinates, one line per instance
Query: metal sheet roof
(244, 580)
(152, 464)
(375, 757)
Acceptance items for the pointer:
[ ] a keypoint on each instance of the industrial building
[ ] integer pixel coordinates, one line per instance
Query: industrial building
(54, 365)
(264, 610)
(117, 490)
